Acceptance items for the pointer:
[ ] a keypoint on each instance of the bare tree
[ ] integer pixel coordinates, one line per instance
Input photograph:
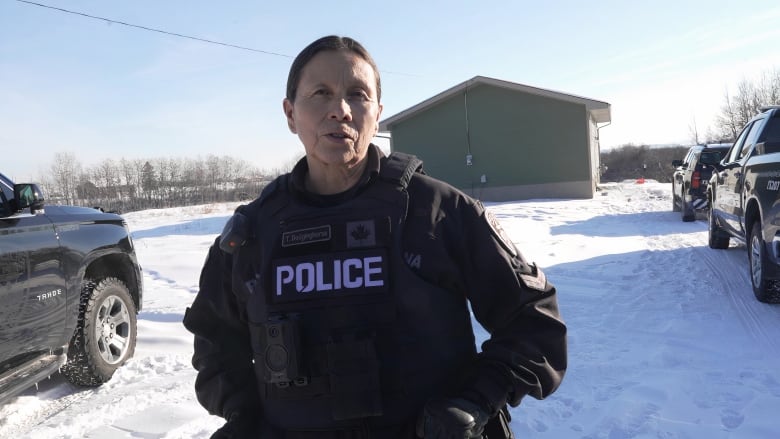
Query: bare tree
(286, 167)
(769, 87)
(148, 182)
(694, 131)
(131, 172)
(726, 122)
(127, 185)
(738, 109)
(106, 176)
(65, 172)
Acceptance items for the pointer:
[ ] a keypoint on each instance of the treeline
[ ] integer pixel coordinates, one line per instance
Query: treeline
(642, 161)
(126, 185)
(739, 108)
(635, 162)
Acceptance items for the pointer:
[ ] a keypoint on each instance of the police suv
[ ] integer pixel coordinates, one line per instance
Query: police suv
(745, 201)
(70, 289)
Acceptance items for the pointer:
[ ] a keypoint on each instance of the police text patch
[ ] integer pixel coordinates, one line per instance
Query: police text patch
(330, 275)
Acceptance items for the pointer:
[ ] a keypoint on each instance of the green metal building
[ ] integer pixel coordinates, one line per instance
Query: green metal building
(500, 141)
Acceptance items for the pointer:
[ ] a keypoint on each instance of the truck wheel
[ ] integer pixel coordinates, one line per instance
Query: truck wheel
(765, 290)
(717, 239)
(688, 214)
(105, 335)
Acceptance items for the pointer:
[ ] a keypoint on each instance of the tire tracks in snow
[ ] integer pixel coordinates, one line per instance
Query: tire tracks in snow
(733, 282)
(726, 273)
(142, 386)
(27, 419)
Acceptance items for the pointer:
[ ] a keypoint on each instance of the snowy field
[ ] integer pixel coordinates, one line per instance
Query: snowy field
(666, 339)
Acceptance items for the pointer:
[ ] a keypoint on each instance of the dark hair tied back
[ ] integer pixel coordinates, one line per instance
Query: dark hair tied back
(331, 42)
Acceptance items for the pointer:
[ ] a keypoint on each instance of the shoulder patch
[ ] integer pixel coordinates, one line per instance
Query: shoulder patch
(500, 234)
(235, 232)
(535, 280)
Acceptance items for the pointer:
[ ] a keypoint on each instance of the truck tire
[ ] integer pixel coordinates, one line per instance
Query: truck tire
(764, 289)
(717, 239)
(106, 333)
(688, 214)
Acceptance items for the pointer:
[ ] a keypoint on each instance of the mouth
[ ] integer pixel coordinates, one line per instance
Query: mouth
(340, 135)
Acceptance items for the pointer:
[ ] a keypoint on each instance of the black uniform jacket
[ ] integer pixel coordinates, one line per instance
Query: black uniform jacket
(450, 240)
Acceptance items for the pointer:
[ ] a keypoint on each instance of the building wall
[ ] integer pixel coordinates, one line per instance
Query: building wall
(515, 139)
(438, 137)
(595, 153)
(568, 189)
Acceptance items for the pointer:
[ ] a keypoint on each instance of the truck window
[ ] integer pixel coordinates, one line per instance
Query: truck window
(3, 204)
(750, 140)
(711, 157)
(687, 159)
(8, 191)
(737, 148)
(6, 194)
(772, 130)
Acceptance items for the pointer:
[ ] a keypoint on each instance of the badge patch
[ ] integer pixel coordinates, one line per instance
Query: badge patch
(361, 234)
(500, 233)
(306, 236)
(535, 280)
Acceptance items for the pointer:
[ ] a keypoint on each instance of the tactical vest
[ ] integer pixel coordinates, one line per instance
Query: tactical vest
(344, 334)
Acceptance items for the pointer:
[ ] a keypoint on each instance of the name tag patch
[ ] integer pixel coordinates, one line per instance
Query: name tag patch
(306, 236)
(330, 275)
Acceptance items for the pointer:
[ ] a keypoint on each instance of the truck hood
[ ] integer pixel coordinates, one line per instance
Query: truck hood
(87, 212)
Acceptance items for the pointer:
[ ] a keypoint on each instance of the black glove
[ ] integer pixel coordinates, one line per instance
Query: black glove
(237, 427)
(452, 418)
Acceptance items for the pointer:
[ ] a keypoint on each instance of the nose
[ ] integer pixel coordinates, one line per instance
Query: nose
(340, 110)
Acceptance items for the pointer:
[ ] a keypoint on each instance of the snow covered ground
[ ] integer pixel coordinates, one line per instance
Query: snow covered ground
(666, 338)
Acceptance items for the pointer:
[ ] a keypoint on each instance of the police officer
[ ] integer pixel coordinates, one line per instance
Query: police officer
(336, 304)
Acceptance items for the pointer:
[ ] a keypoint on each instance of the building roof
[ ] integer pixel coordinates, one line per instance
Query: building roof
(600, 111)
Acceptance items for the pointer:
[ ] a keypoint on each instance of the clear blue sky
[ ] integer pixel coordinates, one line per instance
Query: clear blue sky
(99, 90)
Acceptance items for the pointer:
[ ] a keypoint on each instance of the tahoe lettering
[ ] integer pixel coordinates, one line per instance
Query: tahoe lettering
(333, 274)
(49, 294)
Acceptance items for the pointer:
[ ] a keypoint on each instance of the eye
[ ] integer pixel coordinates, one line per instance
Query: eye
(358, 95)
(320, 92)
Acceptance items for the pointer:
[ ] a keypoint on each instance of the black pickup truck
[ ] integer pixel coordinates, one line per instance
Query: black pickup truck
(745, 202)
(690, 178)
(70, 290)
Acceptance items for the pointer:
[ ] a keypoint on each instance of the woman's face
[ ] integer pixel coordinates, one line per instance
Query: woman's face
(336, 111)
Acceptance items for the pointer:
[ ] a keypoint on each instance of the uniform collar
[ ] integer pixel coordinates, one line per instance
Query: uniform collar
(298, 176)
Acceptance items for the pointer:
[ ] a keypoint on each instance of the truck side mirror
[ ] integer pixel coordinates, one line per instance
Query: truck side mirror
(28, 195)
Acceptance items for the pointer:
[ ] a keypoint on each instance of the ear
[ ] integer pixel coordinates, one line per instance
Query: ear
(288, 113)
(378, 114)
